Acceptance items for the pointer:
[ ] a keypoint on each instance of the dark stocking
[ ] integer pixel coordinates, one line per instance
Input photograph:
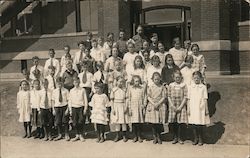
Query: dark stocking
(25, 129)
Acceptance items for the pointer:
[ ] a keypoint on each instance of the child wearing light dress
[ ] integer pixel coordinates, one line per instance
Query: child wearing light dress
(129, 58)
(119, 112)
(99, 113)
(155, 111)
(177, 98)
(188, 70)
(138, 69)
(155, 67)
(24, 107)
(110, 62)
(118, 71)
(136, 102)
(161, 53)
(198, 114)
(199, 60)
(178, 53)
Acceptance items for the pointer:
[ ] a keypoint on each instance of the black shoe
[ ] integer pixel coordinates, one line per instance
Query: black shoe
(175, 141)
(181, 141)
(125, 139)
(195, 142)
(140, 140)
(159, 140)
(135, 139)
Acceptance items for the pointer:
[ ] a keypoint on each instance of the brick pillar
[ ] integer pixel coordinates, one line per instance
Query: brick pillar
(113, 15)
(215, 35)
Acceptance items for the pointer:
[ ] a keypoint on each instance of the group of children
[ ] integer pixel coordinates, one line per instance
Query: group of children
(127, 82)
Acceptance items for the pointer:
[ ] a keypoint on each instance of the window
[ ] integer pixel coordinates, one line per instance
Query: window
(49, 17)
(245, 6)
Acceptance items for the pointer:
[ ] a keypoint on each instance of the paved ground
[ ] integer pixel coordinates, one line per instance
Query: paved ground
(16, 147)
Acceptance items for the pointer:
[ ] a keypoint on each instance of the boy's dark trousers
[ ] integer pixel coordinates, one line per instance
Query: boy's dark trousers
(47, 121)
(62, 120)
(78, 119)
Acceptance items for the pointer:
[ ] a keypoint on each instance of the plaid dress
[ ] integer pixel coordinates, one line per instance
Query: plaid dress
(136, 101)
(156, 94)
(177, 92)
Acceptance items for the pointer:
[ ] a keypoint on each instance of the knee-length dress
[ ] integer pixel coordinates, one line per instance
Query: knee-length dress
(136, 102)
(118, 96)
(24, 106)
(197, 102)
(99, 114)
(177, 92)
(156, 93)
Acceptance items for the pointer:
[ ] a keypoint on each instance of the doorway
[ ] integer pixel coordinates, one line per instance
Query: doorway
(168, 21)
(165, 33)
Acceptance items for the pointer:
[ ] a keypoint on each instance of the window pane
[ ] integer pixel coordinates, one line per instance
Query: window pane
(163, 16)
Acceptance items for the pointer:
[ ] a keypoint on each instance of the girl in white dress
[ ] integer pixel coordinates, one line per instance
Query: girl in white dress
(99, 113)
(198, 114)
(199, 60)
(138, 69)
(188, 70)
(155, 67)
(24, 107)
(161, 53)
(178, 53)
(129, 58)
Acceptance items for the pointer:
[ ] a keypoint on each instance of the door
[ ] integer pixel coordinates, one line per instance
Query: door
(166, 33)
(168, 22)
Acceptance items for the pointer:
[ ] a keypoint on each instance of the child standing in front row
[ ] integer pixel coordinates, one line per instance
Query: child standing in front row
(78, 105)
(155, 111)
(137, 101)
(119, 111)
(24, 108)
(198, 114)
(35, 101)
(46, 110)
(99, 113)
(60, 109)
(177, 98)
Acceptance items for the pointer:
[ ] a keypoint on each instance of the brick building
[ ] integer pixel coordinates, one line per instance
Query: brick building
(29, 28)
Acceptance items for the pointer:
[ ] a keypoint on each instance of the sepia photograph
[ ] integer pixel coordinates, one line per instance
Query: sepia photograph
(124, 79)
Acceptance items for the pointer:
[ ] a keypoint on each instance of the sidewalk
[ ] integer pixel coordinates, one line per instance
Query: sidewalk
(16, 147)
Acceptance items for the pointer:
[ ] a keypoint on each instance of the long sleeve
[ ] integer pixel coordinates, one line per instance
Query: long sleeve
(18, 100)
(85, 98)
